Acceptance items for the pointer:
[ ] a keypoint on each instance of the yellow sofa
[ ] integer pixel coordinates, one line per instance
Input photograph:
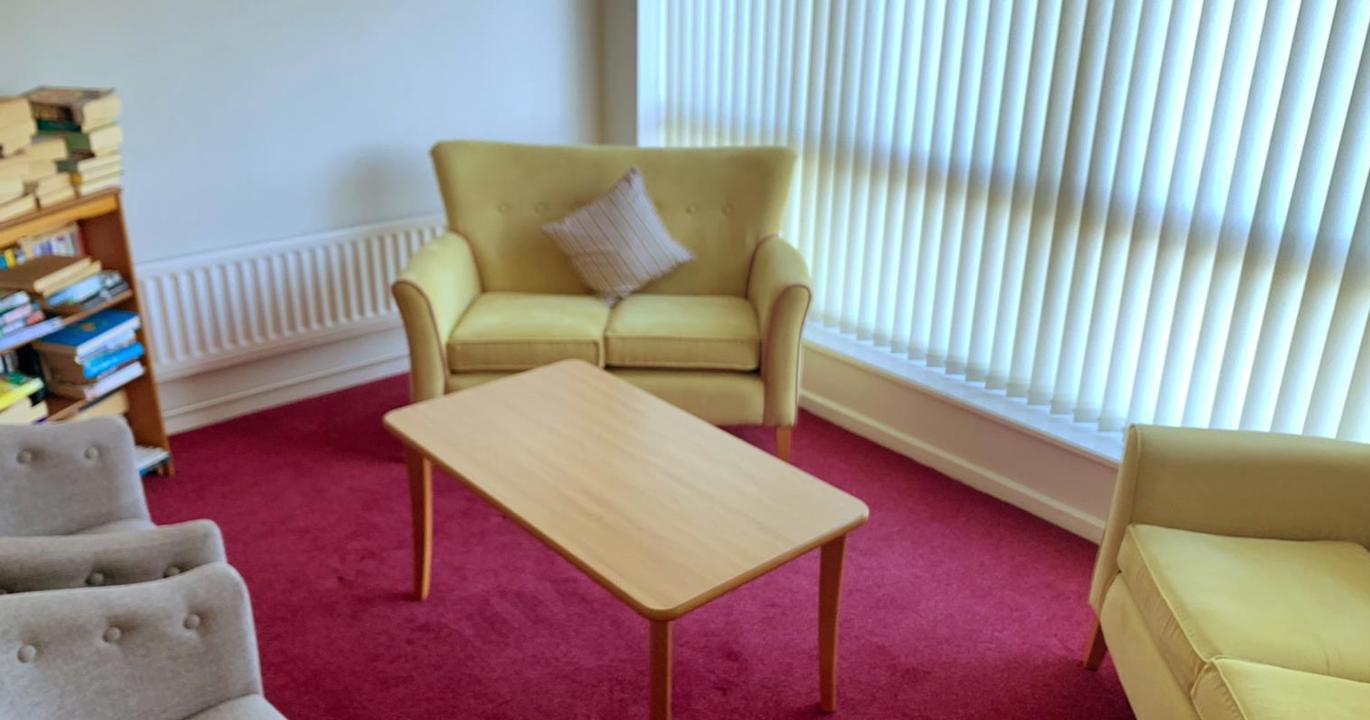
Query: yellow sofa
(1233, 581)
(718, 336)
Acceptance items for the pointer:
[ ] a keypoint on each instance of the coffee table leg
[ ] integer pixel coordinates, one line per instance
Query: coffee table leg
(661, 670)
(829, 590)
(421, 496)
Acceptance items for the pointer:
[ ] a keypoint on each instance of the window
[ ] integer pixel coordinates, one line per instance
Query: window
(1115, 212)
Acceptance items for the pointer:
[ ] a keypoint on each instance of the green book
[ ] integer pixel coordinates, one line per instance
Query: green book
(99, 140)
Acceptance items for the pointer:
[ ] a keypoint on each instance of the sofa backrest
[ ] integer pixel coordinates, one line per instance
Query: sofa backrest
(718, 202)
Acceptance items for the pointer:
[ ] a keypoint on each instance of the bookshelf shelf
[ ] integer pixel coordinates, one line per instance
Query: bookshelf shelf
(104, 238)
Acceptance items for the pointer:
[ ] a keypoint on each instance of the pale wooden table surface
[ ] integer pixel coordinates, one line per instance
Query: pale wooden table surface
(664, 510)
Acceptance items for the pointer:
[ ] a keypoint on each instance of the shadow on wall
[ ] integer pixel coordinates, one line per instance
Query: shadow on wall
(379, 177)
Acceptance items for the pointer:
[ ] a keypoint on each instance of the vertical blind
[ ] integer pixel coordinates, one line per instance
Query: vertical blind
(1117, 211)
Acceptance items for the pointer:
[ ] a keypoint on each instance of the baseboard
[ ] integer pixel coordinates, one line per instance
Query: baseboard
(1064, 487)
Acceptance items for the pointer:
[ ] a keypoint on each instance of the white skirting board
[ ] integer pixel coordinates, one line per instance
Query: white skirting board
(265, 324)
(1062, 485)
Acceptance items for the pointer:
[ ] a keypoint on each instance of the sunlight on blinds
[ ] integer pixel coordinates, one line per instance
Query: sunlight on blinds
(1132, 211)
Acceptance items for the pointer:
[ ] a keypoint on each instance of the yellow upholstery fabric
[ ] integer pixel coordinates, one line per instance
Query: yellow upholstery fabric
(1232, 689)
(1303, 605)
(1150, 686)
(717, 202)
(723, 398)
(701, 332)
(779, 289)
(1231, 482)
(432, 293)
(518, 331)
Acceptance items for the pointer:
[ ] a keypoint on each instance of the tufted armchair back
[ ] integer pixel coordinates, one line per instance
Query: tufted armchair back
(62, 479)
(718, 202)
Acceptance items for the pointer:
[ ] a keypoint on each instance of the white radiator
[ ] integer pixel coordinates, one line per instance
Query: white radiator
(213, 310)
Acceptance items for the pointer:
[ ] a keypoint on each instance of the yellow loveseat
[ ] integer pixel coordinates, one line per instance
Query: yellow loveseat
(1233, 582)
(718, 336)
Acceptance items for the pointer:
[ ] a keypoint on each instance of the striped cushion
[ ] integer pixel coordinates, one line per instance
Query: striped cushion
(617, 243)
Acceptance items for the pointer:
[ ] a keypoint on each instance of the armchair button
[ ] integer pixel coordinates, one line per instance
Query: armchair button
(727, 209)
(192, 621)
(95, 578)
(540, 208)
(113, 634)
(92, 453)
(690, 209)
(27, 653)
(24, 457)
(502, 208)
(171, 571)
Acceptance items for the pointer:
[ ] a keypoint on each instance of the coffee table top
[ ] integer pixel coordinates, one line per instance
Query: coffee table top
(664, 510)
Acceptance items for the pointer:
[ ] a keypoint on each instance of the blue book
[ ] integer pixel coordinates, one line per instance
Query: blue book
(98, 365)
(91, 334)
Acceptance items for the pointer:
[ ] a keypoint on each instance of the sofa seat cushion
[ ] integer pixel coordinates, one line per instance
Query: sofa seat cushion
(1231, 689)
(1299, 605)
(519, 331)
(698, 332)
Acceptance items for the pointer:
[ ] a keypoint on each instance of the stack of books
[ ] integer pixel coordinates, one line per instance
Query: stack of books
(16, 135)
(16, 399)
(86, 121)
(94, 357)
(61, 285)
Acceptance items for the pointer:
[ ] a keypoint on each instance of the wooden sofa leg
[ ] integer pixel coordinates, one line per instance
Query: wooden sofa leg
(783, 437)
(1094, 652)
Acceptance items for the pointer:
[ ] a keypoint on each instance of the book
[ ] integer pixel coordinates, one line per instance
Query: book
(24, 413)
(38, 169)
(48, 199)
(94, 186)
(149, 457)
(32, 332)
(22, 312)
(12, 300)
(115, 403)
(46, 147)
(80, 108)
(90, 164)
(85, 289)
(15, 386)
(11, 188)
(64, 368)
(16, 166)
(48, 183)
(29, 317)
(105, 385)
(15, 139)
(97, 174)
(14, 110)
(18, 206)
(96, 331)
(65, 240)
(42, 275)
(99, 140)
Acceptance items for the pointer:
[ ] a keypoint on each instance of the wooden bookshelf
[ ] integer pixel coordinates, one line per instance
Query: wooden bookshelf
(104, 238)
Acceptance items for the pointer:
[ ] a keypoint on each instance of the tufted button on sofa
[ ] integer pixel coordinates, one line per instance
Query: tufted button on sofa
(718, 336)
(72, 512)
(173, 649)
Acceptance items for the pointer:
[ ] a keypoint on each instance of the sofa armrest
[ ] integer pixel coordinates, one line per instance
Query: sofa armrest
(28, 564)
(57, 479)
(432, 293)
(168, 648)
(1230, 482)
(779, 289)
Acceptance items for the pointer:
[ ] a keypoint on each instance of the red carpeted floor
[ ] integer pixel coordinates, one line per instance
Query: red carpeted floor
(955, 605)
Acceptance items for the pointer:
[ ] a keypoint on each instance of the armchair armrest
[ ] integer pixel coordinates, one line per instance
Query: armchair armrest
(117, 558)
(779, 290)
(64, 478)
(164, 649)
(1230, 482)
(432, 293)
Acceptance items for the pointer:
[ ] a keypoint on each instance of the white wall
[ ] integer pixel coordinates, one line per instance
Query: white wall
(251, 121)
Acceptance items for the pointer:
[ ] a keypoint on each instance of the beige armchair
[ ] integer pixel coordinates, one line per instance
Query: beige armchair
(72, 512)
(718, 336)
(1233, 581)
(171, 649)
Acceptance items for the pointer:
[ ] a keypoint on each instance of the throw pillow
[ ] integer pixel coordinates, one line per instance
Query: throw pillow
(617, 243)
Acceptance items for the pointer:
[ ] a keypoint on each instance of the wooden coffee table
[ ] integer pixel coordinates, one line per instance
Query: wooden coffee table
(664, 510)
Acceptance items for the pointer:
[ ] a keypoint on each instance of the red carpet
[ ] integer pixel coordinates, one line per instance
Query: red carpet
(955, 605)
